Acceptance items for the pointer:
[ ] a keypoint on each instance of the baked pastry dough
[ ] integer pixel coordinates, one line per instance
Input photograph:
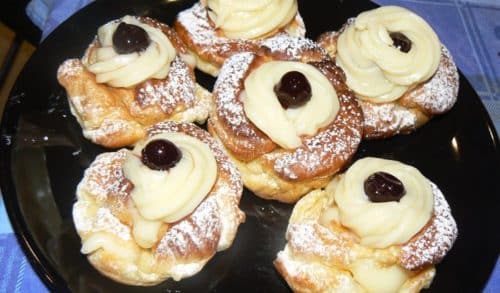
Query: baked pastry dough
(216, 29)
(115, 97)
(282, 154)
(339, 240)
(140, 226)
(396, 65)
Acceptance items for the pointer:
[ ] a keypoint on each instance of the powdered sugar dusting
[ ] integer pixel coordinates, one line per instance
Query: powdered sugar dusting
(107, 128)
(293, 47)
(177, 89)
(80, 104)
(226, 192)
(201, 109)
(435, 96)
(227, 88)
(211, 44)
(187, 244)
(383, 119)
(313, 239)
(194, 235)
(440, 93)
(235, 186)
(436, 240)
(115, 116)
(203, 35)
(307, 276)
(333, 250)
(70, 67)
(330, 147)
(106, 221)
(104, 177)
(320, 155)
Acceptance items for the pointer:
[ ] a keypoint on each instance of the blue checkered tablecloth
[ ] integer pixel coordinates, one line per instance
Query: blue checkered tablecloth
(469, 28)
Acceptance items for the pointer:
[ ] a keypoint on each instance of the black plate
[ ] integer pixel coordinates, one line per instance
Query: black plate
(43, 155)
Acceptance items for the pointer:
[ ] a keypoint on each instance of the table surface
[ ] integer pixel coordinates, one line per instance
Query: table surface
(469, 28)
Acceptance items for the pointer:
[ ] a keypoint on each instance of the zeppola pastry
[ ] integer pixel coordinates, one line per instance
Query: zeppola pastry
(380, 227)
(286, 117)
(161, 210)
(216, 29)
(134, 74)
(398, 68)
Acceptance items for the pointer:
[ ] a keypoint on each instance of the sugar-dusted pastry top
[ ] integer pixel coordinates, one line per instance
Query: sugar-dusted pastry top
(115, 116)
(324, 253)
(416, 105)
(318, 154)
(128, 243)
(196, 28)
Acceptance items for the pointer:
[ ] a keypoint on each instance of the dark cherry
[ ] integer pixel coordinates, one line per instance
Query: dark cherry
(293, 90)
(400, 42)
(129, 38)
(383, 187)
(161, 154)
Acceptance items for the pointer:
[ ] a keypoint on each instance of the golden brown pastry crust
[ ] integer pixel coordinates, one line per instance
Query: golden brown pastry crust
(117, 117)
(415, 107)
(103, 208)
(318, 255)
(198, 32)
(268, 170)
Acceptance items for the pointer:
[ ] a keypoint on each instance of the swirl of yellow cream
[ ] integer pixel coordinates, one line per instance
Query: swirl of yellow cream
(168, 196)
(376, 70)
(242, 19)
(285, 127)
(127, 70)
(382, 224)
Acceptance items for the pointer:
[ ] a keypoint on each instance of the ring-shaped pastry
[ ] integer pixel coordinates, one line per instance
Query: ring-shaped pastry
(209, 44)
(111, 224)
(323, 255)
(269, 170)
(409, 103)
(113, 105)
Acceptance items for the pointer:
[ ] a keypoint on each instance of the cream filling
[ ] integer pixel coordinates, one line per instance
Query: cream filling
(206, 66)
(168, 196)
(376, 278)
(375, 69)
(102, 240)
(285, 127)
(380, 225)
(126, 70)
(241, 19)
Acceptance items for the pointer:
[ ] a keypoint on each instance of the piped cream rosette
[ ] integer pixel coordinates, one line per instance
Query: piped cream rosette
(168, 196)
(116, 228)
(382, 224)
(340, 241)
(127, 70)
(286, 126)
(241, 19)
(375, 69)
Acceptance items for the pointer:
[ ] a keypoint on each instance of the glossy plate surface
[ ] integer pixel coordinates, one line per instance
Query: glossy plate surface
(43, 155)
